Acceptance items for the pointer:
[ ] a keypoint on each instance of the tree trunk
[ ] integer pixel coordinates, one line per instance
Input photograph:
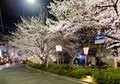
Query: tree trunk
(115, 62)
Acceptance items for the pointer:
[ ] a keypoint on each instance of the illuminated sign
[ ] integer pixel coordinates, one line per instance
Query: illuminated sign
(58, 47)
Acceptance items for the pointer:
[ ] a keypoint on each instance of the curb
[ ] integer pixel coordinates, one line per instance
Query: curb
(60, 76)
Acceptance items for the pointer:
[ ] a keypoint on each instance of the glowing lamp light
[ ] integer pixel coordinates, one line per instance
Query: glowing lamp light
(85, 49)
(88, 79)
(31, 1)
(80, 56)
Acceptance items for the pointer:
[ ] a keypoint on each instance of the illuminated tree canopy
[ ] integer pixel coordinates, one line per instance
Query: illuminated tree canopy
(77, 22)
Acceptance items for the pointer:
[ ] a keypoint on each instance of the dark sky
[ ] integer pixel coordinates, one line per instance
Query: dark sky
(11, 10)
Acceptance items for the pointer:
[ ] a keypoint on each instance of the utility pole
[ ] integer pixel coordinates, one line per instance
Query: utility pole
(1, 21)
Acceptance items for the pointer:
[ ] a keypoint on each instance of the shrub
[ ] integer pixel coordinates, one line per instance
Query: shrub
(105, 76)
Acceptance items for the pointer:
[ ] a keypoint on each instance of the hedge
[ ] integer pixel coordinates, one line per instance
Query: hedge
(105, 76)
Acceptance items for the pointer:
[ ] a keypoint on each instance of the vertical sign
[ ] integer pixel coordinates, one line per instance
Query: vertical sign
(0, 52)
(58, 47)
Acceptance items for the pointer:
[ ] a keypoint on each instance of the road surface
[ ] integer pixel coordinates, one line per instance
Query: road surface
(21, 75)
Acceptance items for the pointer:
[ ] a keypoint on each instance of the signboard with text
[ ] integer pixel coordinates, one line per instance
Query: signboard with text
(58, 47)
(99, 38)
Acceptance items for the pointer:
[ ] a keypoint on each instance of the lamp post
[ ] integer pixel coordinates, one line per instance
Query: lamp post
(86, 49)
(1, 20)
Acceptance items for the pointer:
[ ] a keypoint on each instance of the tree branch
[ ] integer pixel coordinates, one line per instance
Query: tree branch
(114, 38)
(105, 6)
(116, 2)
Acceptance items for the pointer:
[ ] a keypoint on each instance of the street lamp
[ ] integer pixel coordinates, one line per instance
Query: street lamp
(31, 1)
(85, 49)
(88, 77)
(36, 4)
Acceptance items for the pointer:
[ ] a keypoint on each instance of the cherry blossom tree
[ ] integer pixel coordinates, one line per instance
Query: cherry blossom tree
(30, 34)
(73, 23)
(78, 21)
(79, 13)
(88, 16)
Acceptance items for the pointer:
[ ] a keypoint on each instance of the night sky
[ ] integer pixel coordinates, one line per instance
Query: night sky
(11, 10)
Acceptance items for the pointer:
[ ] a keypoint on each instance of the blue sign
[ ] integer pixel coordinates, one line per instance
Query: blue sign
(99, 37)
(81, 58)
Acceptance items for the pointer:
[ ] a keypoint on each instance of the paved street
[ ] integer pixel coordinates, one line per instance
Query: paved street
(1, 68)
(21, 75)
